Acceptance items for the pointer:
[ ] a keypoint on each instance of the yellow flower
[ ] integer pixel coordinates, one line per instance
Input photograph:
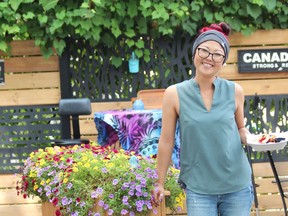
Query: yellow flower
(109, 165)
(42, 162)
(32, 174)
(35, 187)
(75, 147)
(65, 180)
(75, 169)
(42, 182)
(87, 165)
(50, 150)
(48, 180)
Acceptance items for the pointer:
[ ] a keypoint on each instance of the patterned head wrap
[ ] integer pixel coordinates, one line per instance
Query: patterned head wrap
(214, 36)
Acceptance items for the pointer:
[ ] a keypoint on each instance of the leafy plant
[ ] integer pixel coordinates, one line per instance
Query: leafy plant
(50, 22)
(83, 179)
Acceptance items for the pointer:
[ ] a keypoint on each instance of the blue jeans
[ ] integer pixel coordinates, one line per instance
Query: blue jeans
(231, 204)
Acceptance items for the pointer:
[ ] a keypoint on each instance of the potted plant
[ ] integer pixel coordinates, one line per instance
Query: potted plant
(93, 180)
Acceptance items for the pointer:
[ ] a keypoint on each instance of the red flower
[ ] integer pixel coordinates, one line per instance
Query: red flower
(78, 199)
(58, 213)
(55, 201)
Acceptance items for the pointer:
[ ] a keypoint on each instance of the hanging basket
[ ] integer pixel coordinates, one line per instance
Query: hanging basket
(133, 64)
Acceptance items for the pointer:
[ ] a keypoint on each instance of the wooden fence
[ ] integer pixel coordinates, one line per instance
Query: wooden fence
(31, 79)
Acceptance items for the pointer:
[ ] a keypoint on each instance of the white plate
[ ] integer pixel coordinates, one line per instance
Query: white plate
(252, 140)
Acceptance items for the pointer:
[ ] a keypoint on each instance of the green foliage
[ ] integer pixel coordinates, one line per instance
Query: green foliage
(49, 22)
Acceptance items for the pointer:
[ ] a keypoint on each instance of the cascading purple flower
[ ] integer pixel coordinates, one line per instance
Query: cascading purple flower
(64, 201)
(115, 182)
(124, 212)
(104, 170)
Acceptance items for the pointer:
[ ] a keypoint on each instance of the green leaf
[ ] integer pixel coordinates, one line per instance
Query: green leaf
(96, 30)
(219, 16)
(258, 2)
(253, 10)
(13, 29)
(155, 15)
(55, 25)
(42, 19)
(160, 11)
(116, 61)
(85, 5)
(267, 24)
(48, 4)
(3, 46)
(28, 16)
(61, 15)
(270, 4)
(115, 28)
(190, 27)
(195, 6)
(146, 55)
(142, 25)
(98, 2)
(132, 8)
(138, 53)
(145, 3)
(130, 42)
(208, 15)
(285, 10)
(234, 23)
(108, 40)
(121, 9)
(247, 31)
(140, 43)
(59, 45)
(86, 24)
(219, 1)
(47, 52)
(15, 4)
(130, 33)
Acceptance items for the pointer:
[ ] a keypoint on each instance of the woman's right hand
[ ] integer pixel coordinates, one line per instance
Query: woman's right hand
(157, 195)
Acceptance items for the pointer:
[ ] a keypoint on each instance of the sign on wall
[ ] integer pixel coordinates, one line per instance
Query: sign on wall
(2, 71)
(263, 60)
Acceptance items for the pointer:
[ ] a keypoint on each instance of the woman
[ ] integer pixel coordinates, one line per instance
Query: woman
(215, 171)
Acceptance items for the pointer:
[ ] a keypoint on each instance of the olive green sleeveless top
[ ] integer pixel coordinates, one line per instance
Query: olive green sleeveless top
(212, 158)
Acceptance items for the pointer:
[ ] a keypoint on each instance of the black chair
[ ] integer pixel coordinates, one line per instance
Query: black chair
(72, 108)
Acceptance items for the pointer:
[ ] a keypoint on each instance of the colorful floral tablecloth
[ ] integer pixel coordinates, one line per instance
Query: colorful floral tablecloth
(136, 130)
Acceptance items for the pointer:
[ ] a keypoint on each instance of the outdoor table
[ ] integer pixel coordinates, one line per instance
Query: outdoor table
(278, 182)
(136, 130)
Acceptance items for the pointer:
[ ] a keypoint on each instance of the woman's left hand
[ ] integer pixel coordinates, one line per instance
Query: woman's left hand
(157, 195)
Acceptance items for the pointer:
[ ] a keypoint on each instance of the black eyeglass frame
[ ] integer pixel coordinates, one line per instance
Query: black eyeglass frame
(209, 53)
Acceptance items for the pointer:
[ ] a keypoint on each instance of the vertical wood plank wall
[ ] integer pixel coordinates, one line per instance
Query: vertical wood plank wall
(30, 79)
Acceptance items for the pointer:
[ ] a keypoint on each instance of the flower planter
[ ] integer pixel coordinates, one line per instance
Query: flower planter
(120, 178)
(49, 210)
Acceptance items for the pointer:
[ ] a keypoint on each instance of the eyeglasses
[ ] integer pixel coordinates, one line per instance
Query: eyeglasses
(217, 57)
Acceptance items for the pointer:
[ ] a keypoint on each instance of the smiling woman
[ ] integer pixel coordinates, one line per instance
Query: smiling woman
(207, 101)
